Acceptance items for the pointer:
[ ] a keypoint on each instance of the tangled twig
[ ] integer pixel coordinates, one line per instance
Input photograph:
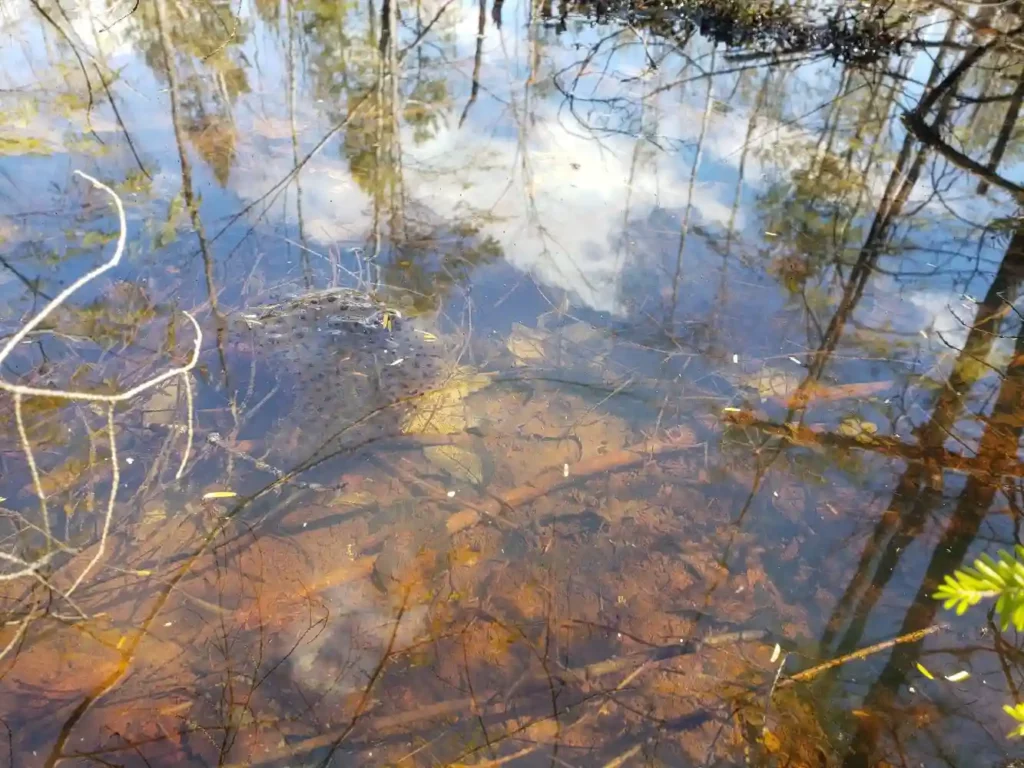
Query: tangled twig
(31, 568)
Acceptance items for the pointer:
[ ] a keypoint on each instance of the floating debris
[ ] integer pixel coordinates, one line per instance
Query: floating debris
(220, 495)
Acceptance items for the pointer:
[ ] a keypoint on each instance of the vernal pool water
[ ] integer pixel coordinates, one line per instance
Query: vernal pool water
(680, 361)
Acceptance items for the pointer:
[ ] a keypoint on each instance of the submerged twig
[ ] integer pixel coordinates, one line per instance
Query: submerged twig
(881, 444)
(666, 652)
(863, 653)
(558, 477)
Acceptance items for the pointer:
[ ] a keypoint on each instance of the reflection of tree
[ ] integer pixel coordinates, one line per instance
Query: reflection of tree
(910, 164)
(1000, 440)
(166, 47)
(915, 497)
(408, 244)
(917, 494)
(205, 40)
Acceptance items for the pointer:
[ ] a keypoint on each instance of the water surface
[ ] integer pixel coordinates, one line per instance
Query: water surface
(724, 310)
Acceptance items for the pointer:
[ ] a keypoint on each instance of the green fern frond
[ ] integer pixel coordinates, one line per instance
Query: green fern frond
(1017, 713)
(1002, 579)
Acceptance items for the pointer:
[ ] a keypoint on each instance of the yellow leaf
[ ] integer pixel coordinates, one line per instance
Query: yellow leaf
(923, 671)
(771, 742)
(441, 411)
(460, 463)
(464, 556)
(220, 495)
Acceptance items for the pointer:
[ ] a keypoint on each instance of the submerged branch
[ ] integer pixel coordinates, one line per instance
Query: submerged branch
(884, 445)
(556, 478)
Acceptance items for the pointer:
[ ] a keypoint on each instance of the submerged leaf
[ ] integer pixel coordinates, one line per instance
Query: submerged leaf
(220, 495)
(441, 411)
(461, 463)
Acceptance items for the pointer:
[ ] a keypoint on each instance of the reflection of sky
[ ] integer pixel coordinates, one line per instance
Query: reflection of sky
(554, 198)
(563, 199)
(558, 197)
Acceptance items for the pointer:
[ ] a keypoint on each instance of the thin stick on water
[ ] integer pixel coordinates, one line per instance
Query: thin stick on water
(63, 296)
(771, 692)
(18, 633)
(60, 298)
(28, 568)
(190, 410)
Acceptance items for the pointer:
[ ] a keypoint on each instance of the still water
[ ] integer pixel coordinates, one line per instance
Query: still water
(507, 383)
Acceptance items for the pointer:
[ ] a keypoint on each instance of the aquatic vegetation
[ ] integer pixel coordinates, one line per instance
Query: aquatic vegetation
(988, 578)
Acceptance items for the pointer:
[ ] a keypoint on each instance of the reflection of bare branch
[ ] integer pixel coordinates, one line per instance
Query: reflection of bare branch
(425, 31)
(118, 20)
(81, 63)
(297, 169)
(930, 137)
(952, 77)
(684, 229)
(124, 128)
(478, 56)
